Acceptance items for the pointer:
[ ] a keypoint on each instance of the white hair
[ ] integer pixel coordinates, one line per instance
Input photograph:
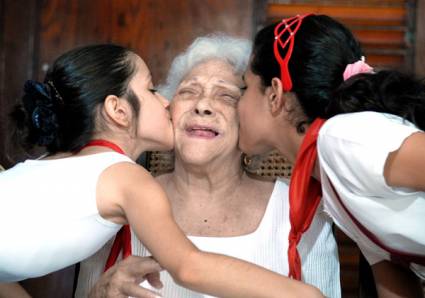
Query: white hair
(235, 51)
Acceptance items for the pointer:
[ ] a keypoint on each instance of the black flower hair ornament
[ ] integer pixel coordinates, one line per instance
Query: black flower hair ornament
(42, 102)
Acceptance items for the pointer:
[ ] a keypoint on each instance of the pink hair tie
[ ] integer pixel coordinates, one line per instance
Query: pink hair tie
(355, 68)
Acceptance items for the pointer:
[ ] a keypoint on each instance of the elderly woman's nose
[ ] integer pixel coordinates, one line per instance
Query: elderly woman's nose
(203, 106)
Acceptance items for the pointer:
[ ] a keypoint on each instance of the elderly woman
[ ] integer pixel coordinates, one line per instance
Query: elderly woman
(216, 204)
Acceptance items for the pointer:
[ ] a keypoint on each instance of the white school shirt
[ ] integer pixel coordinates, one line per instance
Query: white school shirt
(267, 246)
(49, 218)
(352, 150)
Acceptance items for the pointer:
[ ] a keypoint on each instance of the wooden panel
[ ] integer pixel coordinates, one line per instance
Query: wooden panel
(157, 30)
(349, 259)
(385, 61)
(386, 3)
(349, 13)
(387, 38)
(17, 56)
(420, 39)
(2, 84)
(58, 284)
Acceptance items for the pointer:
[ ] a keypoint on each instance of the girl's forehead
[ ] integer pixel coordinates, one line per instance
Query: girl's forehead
(142, 70)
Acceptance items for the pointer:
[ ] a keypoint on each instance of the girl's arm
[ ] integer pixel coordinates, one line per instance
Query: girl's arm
(405, 167)
(393, 281)
(148, 211)
(13, 289)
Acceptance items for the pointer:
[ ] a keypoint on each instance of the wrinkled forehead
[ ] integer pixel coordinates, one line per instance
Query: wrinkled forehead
(213, 73)
(212, 82)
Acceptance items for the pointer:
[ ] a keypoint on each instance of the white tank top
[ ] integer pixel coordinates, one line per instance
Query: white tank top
(267, 246)
(49, 218)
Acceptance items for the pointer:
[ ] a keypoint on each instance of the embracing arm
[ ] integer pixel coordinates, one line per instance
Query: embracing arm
(148, 211)
(13, 289)
(393, 281)
(405, 167)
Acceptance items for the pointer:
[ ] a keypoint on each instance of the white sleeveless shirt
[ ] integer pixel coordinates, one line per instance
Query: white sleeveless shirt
(49, 217)
(267, 246)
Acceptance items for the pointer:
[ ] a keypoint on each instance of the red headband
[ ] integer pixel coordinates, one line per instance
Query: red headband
(290, 25)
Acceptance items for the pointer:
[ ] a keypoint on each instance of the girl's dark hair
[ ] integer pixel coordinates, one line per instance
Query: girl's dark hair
(60, 113)
(385, 91)
(322, 50)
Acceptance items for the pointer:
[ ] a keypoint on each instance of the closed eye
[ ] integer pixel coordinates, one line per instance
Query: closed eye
(186, 91)
(229, 96)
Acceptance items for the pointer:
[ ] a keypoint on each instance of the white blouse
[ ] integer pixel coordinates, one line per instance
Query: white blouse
(352, 150)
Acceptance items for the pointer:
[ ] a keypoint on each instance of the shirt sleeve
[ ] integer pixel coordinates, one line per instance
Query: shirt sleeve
(353, 149)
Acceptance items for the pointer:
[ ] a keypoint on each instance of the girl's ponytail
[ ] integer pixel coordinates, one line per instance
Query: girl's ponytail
(385, 91)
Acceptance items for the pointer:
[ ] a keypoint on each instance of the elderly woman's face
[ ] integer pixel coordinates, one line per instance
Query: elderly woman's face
(204, 114)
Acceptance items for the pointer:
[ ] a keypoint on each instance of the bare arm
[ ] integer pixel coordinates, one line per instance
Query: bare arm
(147, 209)
(405, 167)
(13, 290)
(394, 281)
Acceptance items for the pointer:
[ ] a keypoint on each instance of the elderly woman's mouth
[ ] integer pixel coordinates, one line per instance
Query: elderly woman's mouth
(199, 131)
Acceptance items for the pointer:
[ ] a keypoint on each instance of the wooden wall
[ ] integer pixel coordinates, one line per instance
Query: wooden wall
(420, 38)
(17, 34)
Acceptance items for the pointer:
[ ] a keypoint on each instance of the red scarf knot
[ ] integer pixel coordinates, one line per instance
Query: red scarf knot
(305, 193)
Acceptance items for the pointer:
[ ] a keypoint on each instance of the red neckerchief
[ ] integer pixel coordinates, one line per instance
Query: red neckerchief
(305, 193)
(123, 237)
(122, 241)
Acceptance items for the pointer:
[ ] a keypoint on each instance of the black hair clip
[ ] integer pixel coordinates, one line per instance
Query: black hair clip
(37, 90)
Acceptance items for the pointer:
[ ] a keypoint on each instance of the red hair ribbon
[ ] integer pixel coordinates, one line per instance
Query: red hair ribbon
(291, 26)
(305, 193)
